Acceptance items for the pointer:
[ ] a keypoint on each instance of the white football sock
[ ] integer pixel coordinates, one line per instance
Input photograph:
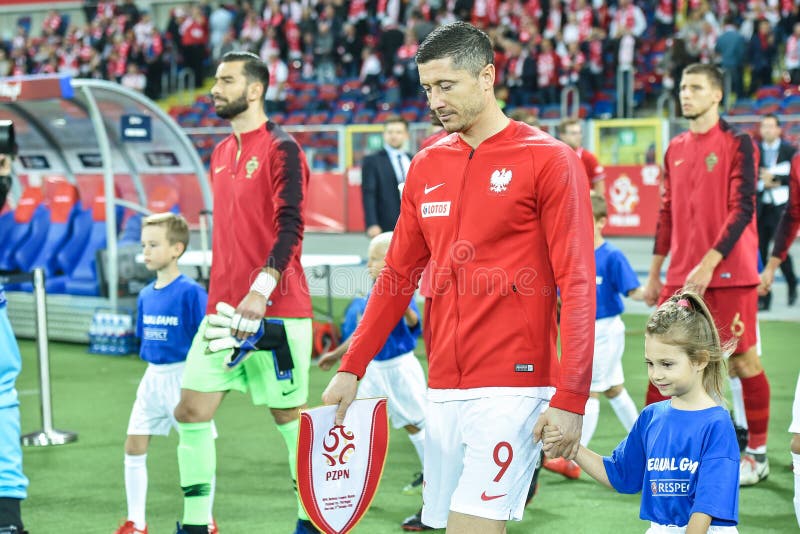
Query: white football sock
(796, 469)
(418, 440)
(625, 409)
(737, 401)
(590, 417)
(136, 488)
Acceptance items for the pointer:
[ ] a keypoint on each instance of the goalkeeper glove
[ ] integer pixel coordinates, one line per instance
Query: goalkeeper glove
(270, 335)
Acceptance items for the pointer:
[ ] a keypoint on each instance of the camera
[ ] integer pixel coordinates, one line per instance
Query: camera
(8, 143)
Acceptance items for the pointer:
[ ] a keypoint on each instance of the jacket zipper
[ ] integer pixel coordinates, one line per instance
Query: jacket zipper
(458, 238)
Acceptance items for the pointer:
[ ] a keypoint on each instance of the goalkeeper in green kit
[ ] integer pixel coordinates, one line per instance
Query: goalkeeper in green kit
(259, 179)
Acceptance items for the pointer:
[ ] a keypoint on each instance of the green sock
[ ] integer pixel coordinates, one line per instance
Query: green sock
(289, 432)
(197, 461)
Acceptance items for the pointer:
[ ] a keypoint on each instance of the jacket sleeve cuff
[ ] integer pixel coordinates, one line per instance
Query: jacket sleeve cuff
(348, 365)
(568, 401)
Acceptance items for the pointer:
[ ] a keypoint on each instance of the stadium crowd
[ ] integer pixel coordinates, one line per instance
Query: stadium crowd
(541, 46)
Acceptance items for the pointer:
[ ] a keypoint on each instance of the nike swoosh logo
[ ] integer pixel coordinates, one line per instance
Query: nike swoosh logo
(485, 497)
(435, 187)
(285, 393)
(219, 169)
(678, 162)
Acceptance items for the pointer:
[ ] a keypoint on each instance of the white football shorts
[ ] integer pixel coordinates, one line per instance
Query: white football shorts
(479, 457)
(609, 345)
(402, 381)
(156, 398)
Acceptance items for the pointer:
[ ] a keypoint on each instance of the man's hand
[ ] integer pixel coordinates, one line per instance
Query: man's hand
(342, 391)
(768, 275)
(373, 230)
(5, 165)
(703, 272)
(698, 279)
(768, 179)
(568, 423)
(248, 314)
(652, 290)
(327, 360)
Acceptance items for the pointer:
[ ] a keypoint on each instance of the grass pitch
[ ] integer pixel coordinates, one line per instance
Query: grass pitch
(79, 488)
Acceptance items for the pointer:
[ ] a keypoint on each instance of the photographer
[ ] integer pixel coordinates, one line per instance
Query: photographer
(13, 483)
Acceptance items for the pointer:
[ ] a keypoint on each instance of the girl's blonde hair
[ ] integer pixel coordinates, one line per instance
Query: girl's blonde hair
(684, 321)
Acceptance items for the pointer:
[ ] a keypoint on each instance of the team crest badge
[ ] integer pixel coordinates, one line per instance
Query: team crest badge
(251, 166)
(339, 466)
(499, 180)
(711, 162)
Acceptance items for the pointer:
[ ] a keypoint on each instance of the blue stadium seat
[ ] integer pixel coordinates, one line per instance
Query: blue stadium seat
(26, 217)
(67, 258)
(83, 278)
(63, 207)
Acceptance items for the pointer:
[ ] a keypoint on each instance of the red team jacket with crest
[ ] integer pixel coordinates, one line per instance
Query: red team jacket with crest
(259, 200)
(708, 200)
(503, 225)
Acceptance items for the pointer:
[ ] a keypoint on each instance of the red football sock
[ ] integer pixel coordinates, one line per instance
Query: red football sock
(756, 408)
(653, 395)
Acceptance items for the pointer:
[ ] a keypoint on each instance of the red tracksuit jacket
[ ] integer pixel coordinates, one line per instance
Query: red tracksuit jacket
(503, 225)
(708, 201)
(259, 200)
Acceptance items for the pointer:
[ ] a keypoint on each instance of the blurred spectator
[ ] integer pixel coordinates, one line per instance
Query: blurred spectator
(762, 56)
(194, 42)
(220, 23)
(89, 10)
(323, 54)
(676, 58)
(270, 44)
(574, 70)
(792, 55)
(252, 32)
(5, 63)
(626, 52)
(348, 51)
(228, 44)
(134, 79)
(732, 49)
(420, 25)
(52, 24)
(596, 62)
(275, 95)
(520, 74)
(552, 25)
(665, 18)
(128, 10)
(547, 67)
(405, 69)
(152, 50)
(571, 132)
(389, 42)
(370, 76)
(627, 16)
